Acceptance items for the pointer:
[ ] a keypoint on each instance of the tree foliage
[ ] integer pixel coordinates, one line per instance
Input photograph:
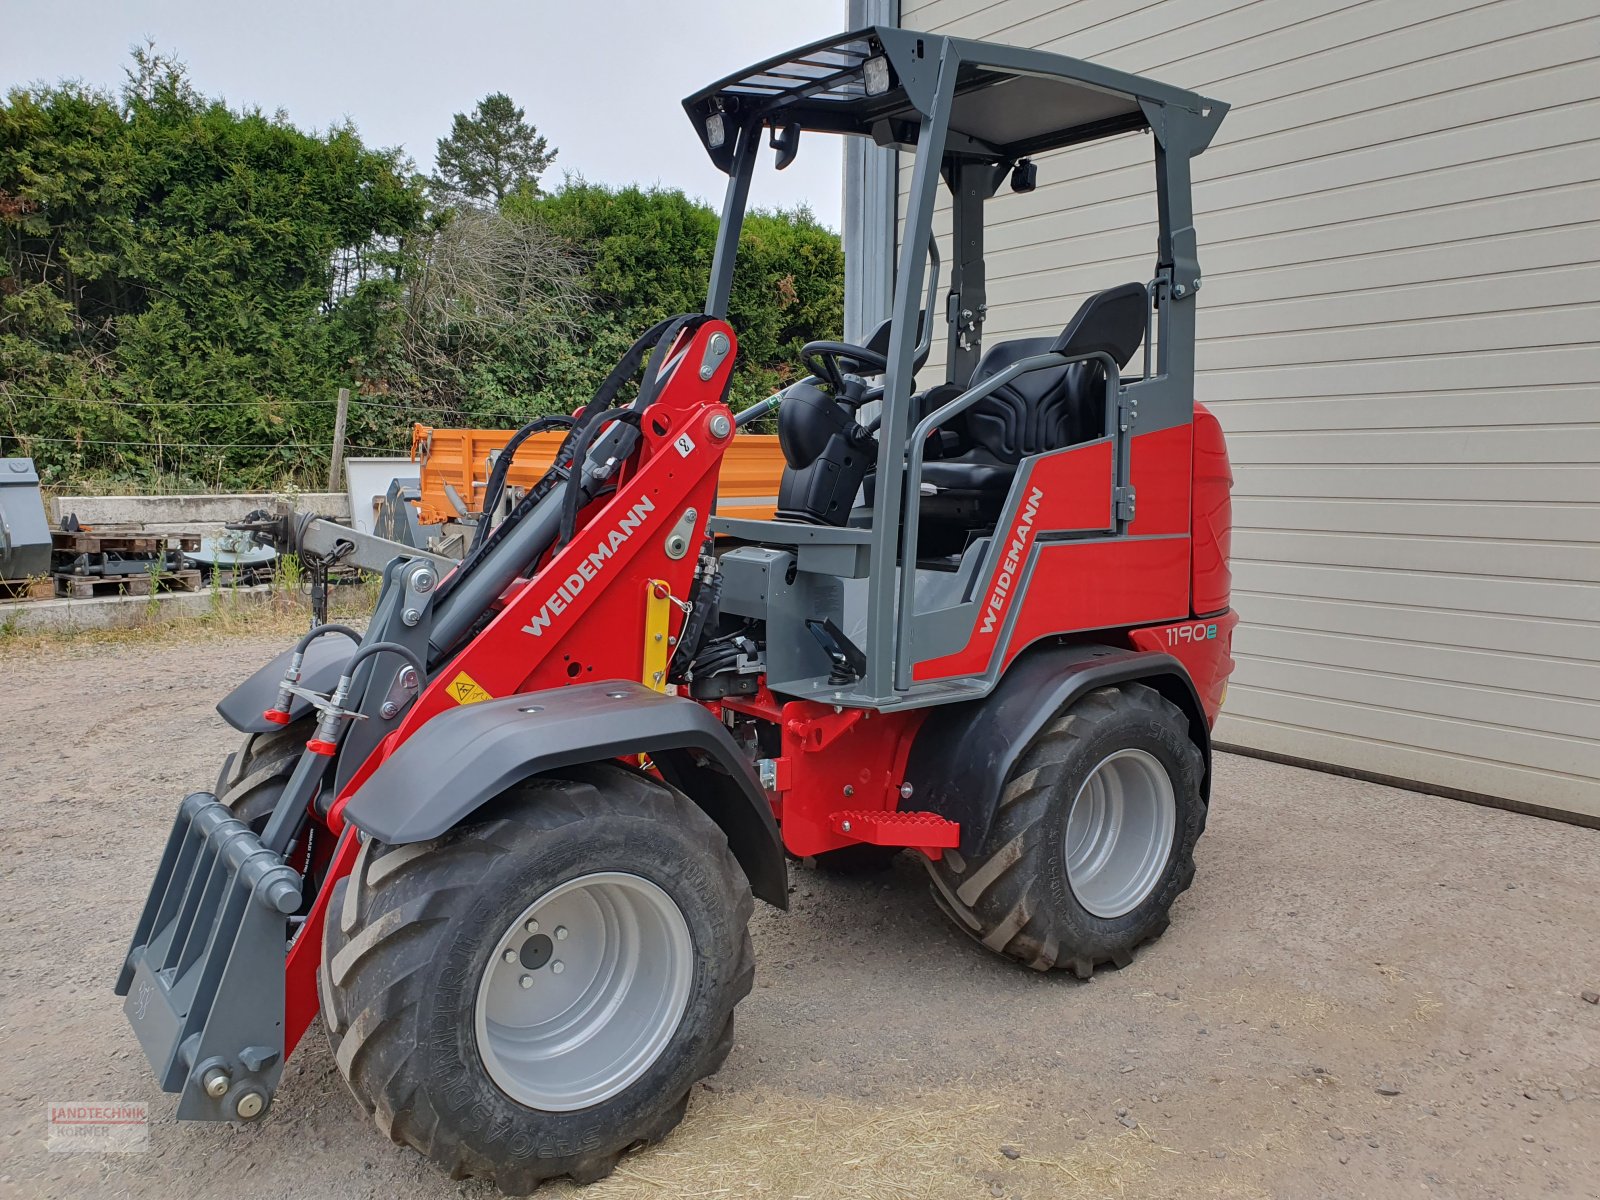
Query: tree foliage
(179, 273)
(184, 287)
(490, 154)
(649, 253)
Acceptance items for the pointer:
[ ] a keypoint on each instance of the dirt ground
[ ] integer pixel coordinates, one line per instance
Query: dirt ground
(1368, 992)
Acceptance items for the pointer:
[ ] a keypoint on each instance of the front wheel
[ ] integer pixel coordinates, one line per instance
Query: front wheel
(535, 992)
(1094, 838)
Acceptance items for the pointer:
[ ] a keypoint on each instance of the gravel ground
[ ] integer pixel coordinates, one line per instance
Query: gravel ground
(1367, 993)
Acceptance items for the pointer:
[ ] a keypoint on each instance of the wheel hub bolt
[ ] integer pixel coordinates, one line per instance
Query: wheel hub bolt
(526, 981)
(532, 927)
(557, 967)
(561, 933)
(510, 956)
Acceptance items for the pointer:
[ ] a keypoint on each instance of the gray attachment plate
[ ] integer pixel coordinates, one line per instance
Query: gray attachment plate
(203, 976)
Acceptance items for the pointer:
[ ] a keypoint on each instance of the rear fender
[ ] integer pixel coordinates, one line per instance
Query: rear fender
(324, 663)
(466, 756)
(964, 752)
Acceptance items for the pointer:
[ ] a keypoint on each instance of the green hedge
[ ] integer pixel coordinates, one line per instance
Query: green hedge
(184, 287)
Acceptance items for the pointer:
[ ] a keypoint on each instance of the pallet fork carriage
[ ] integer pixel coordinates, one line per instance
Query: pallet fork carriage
(506, 839)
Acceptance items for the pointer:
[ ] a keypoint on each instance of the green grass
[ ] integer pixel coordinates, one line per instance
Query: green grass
(286, 614)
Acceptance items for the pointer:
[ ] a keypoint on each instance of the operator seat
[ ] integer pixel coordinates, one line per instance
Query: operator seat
(826, 451)
(1042, 410)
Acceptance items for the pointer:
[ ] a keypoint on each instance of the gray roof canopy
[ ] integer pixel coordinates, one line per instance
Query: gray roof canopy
(1008, 102)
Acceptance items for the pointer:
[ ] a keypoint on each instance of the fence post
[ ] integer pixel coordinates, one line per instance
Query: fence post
(338, 440)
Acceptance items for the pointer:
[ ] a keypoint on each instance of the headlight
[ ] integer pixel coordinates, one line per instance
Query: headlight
(875, 72)
(716, 131)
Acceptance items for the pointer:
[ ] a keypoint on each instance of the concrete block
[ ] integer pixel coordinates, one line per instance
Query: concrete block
(118, 612)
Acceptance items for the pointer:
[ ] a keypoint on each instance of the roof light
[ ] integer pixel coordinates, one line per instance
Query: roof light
(875, 73)
(716, 131)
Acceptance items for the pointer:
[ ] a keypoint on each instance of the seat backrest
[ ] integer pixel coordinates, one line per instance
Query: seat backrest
(878, 340)
(1057, 406)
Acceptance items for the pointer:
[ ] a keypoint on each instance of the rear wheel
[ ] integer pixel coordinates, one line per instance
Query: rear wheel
(534, 993)
(1094, 838)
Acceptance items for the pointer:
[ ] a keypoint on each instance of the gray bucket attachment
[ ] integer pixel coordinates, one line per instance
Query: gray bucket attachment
(204, 976)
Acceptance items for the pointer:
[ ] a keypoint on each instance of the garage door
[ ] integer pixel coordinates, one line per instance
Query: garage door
(1400, 233)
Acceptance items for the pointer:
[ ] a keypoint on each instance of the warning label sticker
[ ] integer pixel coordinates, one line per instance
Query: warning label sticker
(464, 689)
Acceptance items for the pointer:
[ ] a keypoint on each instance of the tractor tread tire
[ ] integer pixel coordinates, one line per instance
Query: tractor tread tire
(390, 927)
(260, 768)
(1012, 897)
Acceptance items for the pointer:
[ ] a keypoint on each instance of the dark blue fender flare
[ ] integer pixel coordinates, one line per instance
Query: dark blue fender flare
(963, 752)
(466, 756)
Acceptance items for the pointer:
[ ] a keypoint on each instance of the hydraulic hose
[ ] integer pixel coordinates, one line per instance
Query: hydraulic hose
(404, 652)
(572, 498)
(502, 468)
(314, 634)
(560, 469)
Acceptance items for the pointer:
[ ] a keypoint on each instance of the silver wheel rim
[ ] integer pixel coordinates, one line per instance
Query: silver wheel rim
(598, 981)
(1119, 833)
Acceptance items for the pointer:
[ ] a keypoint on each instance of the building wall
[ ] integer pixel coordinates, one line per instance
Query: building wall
(1400, 236)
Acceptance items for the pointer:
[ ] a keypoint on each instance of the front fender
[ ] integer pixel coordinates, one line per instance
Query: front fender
(465, 757)
(324, 663)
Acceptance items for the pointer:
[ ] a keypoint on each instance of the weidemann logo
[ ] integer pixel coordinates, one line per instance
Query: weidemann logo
(589, 567)
(1001, 591)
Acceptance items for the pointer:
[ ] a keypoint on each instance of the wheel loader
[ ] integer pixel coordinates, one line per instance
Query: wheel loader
(507, 838)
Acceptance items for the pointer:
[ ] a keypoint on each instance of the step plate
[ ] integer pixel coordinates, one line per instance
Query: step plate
(924, 831)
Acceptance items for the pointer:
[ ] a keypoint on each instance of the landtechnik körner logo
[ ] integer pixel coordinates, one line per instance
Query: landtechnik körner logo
(96, 1127)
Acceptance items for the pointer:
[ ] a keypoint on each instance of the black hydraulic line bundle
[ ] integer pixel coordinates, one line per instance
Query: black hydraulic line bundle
(582, 429)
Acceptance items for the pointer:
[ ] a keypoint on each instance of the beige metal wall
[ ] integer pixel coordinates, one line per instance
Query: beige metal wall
(1400, 234)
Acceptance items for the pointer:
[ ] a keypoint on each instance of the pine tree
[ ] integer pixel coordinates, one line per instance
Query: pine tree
(490, 154)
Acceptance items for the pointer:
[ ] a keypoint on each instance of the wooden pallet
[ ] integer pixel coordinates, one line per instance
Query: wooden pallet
(41, 587)
(81, 587)
(89, 541)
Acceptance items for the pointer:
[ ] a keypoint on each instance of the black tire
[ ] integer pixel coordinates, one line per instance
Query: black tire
(253, 777)
(411, 933)
(1014, 896)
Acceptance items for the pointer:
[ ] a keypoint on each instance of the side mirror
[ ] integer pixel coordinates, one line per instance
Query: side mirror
(786, 141)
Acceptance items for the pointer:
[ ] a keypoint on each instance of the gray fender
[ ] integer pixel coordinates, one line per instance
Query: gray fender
(324, 662)
(963, 752)
(466, 756)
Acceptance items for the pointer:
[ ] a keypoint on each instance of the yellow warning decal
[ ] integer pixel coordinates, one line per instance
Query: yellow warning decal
(464, 689)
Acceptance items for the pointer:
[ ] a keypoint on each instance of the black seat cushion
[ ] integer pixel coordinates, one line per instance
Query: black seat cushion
(975, 471)
(1048, 408)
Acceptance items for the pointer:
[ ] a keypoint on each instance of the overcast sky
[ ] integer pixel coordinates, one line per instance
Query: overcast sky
(602, 79)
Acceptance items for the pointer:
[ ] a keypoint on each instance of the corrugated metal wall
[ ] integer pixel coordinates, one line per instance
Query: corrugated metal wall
(1400, 234)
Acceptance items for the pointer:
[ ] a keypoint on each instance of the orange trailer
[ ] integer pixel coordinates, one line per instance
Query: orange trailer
(746, 487)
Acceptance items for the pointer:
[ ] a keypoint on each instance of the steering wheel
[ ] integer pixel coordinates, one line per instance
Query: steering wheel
(823, 359)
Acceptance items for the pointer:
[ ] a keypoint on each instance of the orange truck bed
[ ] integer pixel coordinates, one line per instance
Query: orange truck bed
(746, 487)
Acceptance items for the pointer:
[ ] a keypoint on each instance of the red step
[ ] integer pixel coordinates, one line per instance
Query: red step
(923, 831)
